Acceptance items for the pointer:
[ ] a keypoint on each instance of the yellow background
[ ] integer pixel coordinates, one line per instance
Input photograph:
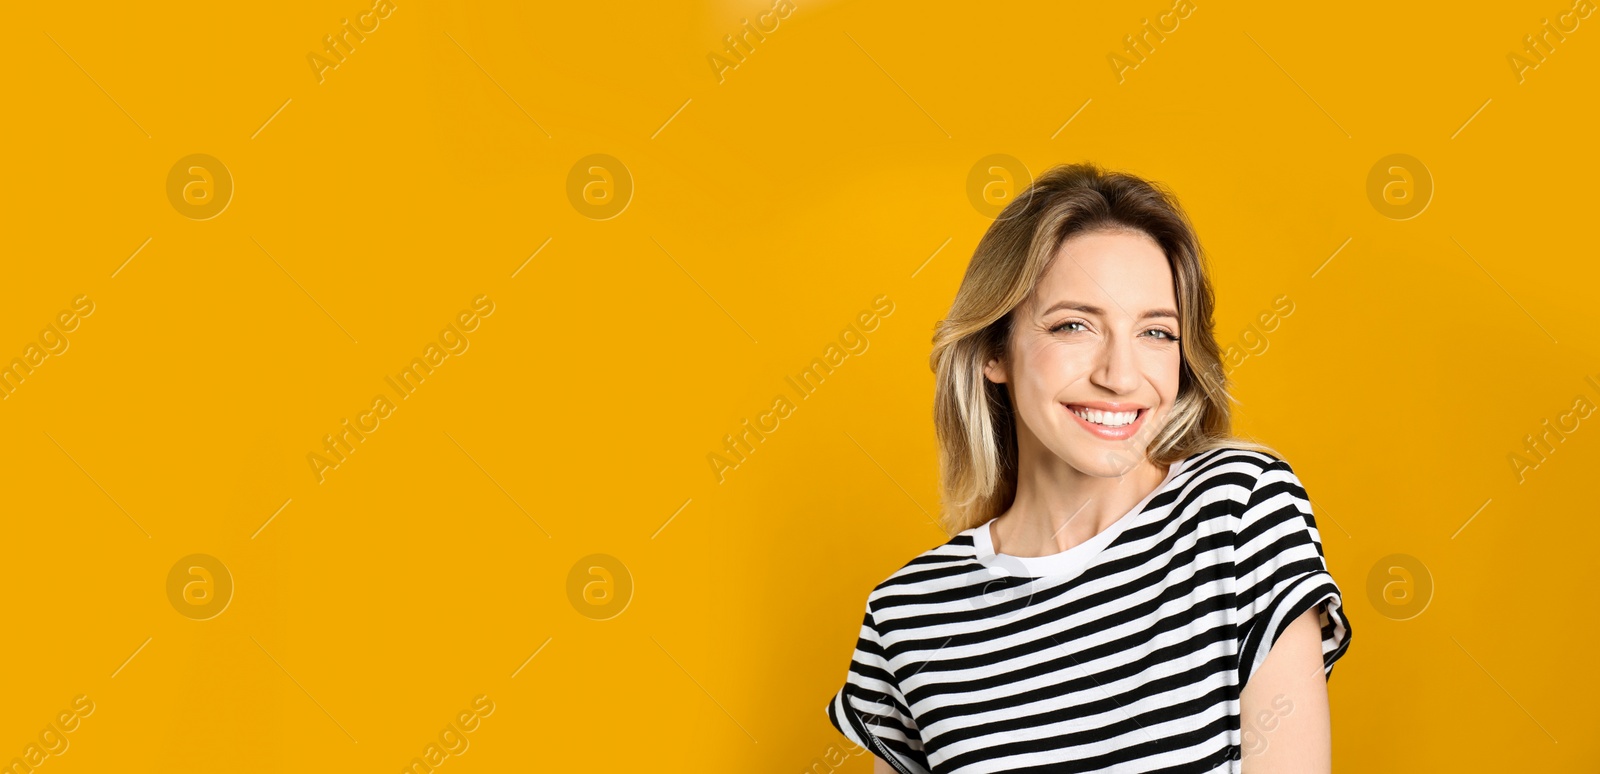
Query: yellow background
(768, 210)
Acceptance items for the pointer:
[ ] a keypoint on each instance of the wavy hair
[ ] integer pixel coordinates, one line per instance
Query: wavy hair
(973, 418)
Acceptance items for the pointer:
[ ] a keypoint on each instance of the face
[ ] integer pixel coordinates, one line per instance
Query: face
(1092, 363)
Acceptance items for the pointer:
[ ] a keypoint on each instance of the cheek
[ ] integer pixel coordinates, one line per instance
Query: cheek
(1047, 370)
(1163, 372)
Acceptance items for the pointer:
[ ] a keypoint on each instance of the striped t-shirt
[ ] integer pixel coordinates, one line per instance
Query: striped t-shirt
(1126, 653)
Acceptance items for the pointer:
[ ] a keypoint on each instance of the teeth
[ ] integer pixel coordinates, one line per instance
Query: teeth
(1107, 418)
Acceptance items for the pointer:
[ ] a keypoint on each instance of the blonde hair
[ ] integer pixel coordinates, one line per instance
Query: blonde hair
(973, 417)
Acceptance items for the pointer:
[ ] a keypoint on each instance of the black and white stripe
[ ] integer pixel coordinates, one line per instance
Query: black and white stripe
(973, 663)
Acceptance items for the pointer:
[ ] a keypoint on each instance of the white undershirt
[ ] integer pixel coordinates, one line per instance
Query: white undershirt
(1062, 564)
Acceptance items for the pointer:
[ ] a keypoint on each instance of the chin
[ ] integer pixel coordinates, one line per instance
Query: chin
(1105, 460)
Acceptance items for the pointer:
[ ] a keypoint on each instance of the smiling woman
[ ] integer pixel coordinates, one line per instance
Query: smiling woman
(1121, 567)
(1124, 363)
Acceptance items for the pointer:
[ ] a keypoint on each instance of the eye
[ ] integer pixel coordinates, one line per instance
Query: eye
(1164, 334)
(1063, 326)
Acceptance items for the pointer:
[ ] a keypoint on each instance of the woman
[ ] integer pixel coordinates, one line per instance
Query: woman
(1128, 588)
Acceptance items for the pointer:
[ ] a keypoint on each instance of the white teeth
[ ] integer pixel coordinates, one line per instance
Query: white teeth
(1107, 418)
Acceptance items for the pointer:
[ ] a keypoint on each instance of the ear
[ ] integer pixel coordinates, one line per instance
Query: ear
(995, 370)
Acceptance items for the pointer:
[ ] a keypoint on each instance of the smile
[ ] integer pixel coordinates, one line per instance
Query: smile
(1108, 423)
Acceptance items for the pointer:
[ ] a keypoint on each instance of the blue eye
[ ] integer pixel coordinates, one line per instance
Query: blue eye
(1165, 334)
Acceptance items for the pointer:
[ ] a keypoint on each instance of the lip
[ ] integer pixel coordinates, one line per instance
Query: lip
(1108, 433)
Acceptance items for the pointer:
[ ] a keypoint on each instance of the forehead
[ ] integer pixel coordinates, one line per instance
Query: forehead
(1122, 272)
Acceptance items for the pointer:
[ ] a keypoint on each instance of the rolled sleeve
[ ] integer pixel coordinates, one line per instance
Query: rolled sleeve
(1281, 572)
(870, 710)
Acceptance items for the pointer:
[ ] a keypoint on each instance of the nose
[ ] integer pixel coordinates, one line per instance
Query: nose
(1115, 368)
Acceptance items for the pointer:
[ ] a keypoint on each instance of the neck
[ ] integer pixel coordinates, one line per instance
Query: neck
(1058, 506)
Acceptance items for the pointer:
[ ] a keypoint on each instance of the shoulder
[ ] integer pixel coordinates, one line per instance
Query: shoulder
(1262, 499)
(1235, 473)
(941, 568)
(1234, 489)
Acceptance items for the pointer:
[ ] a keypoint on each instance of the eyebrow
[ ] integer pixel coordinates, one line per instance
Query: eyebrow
(1092, 309)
